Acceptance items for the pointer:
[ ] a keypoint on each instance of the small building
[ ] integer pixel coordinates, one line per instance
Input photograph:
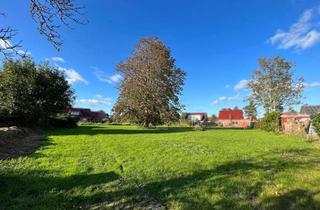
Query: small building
(234, 118)
(86, 115)
(299, 123)
(196, 116)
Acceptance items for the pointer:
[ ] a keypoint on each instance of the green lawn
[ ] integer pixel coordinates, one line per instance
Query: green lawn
(112, 167)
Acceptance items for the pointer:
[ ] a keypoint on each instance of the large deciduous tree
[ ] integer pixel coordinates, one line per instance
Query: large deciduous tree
(273, 85)
(31, 93)
(151, 85)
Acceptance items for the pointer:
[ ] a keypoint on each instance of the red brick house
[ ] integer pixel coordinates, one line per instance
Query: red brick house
(234, 118)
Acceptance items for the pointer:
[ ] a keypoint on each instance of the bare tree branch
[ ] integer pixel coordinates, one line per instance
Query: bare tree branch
(49, 15)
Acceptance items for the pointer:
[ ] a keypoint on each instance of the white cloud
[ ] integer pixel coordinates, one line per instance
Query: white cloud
(301, 35)
(99, 96)
(312, 85)
(115, 78)
(58, 59)
(94, 102)
(102, 76)
(242, 84)
(225, 98)
(315, 84)
(4, 44)
(72, 76)
(22, 52)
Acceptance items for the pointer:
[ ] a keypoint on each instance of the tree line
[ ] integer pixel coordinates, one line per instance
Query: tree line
(149, 93)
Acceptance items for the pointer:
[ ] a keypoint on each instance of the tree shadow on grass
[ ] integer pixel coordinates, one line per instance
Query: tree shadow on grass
(96, 130)
(233, 185)
(38, 190)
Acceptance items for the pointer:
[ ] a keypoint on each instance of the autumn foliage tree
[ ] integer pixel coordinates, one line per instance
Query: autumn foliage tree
(151, 85)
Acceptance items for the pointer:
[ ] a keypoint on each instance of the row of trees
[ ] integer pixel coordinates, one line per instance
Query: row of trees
(152, 84)
(31, 93)
(149, 91)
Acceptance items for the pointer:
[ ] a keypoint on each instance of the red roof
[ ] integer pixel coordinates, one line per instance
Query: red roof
(231, 114)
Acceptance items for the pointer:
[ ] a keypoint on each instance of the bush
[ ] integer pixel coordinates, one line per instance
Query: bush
(198, 128)
(271, 122)
(184, 122)
(63, 122)
(315, 119)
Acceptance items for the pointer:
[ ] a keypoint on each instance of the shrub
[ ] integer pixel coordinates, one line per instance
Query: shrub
(315, 119)
(63, 122)
(184, 122)
(198, 128)
(271, 122)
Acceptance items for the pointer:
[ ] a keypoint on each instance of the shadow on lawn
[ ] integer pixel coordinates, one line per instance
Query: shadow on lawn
(96, 130)
(233, 185)
(38, 190)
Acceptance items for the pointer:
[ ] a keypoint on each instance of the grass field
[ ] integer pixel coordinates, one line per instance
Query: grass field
(112, 167)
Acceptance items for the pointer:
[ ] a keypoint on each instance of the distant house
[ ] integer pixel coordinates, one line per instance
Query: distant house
(196, 116)
(234, 118)
(300, 123)
(86, 115)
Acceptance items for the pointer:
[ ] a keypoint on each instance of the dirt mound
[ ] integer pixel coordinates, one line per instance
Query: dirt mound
(16, 141)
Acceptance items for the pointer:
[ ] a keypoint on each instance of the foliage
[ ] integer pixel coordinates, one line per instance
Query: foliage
(62, 121)
(151, 85)
(273, 85)
(213, 118)
(251, 110)
(136, 168)
(271, 122)
(198, 127)
(32, 93)
(316, 122)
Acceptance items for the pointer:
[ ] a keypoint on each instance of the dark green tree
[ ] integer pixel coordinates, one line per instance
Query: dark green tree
(151, 85)
(32, 93)
(251, 110)
(17, 84)
(52, 91)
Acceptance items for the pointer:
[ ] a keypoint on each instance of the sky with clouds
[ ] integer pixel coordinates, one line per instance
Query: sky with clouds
(216, 42)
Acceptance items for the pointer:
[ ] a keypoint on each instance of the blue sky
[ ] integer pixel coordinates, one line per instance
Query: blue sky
(216, 42)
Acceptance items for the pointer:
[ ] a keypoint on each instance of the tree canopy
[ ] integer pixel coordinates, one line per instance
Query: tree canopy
(273, 85)
(32, 93)
(151, 85)
(251, 110)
